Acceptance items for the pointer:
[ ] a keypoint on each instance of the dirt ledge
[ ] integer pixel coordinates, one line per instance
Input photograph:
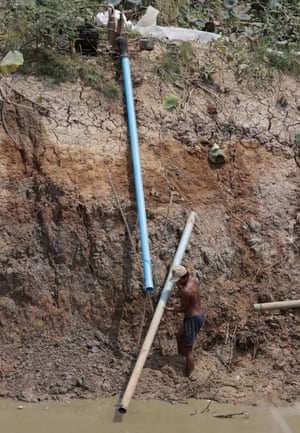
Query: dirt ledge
(71, 291)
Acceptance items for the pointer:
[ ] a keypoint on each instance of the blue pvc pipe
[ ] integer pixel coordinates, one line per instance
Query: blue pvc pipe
(134, 143)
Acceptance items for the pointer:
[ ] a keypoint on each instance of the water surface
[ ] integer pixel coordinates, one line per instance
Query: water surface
(83, 416)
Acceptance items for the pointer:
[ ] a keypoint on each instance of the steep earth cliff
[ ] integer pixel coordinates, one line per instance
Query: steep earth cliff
(73, 310)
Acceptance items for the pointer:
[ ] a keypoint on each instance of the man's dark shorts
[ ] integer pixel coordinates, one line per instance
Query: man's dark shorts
(192, 326)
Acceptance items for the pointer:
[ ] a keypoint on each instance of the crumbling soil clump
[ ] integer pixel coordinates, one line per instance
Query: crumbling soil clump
(73, 309)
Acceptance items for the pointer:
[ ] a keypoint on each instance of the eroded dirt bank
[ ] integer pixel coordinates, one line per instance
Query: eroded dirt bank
(72, 305)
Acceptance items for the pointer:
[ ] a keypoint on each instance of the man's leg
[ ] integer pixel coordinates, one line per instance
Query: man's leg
(190, 362)
(179, 339)
(191, 328)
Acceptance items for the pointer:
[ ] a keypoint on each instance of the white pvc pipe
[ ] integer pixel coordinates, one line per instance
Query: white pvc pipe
(279, 304)
(185, 237)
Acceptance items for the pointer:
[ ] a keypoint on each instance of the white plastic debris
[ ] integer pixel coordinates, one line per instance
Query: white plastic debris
(146, 26)
(281, 53)
(148, 19)
(178, 33)
(101, 19)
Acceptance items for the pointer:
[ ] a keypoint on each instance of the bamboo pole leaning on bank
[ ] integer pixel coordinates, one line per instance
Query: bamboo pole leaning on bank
(277, 305)
(157, 316)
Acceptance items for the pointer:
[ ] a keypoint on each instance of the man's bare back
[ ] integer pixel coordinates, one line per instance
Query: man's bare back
(190, 297)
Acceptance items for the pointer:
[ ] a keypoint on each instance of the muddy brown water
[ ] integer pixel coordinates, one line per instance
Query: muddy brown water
(82, 416)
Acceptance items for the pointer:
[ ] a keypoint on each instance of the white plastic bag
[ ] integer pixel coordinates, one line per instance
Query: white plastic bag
(178, 33)
(148, 19)
(147, 27)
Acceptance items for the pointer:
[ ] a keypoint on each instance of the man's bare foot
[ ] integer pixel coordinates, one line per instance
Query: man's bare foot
(193, 377)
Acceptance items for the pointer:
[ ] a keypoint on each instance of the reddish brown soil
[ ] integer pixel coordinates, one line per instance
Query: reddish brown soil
(73, 310)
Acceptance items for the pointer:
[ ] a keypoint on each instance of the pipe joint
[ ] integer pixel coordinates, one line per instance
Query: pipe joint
(123, 46)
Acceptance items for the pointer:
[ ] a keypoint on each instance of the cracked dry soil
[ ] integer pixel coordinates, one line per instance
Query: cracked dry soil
(73, 311)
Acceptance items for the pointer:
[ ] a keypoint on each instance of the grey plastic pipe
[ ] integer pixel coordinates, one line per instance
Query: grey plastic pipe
(185, 237)
(279, 304)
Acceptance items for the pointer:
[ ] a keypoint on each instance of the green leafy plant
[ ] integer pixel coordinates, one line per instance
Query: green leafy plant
(257, 48)
(11, 62)
(92, 76)
(169, 69)
(170, 101)
(169, 10)
(44, 24)
(46, 62)
(206, 72)
(186, 52)
(109, 90)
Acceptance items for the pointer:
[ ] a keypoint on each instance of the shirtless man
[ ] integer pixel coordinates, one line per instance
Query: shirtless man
(193, 315)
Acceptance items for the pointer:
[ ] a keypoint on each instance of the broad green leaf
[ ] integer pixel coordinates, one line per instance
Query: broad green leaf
(179, 84)
(11, 62)
(216, 155)
(170, 101)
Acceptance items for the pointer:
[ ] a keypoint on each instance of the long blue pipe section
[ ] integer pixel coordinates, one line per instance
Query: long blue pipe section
(134, 143)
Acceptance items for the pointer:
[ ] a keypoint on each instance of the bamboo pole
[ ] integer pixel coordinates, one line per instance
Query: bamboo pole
(157, 316)
(279, 305)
